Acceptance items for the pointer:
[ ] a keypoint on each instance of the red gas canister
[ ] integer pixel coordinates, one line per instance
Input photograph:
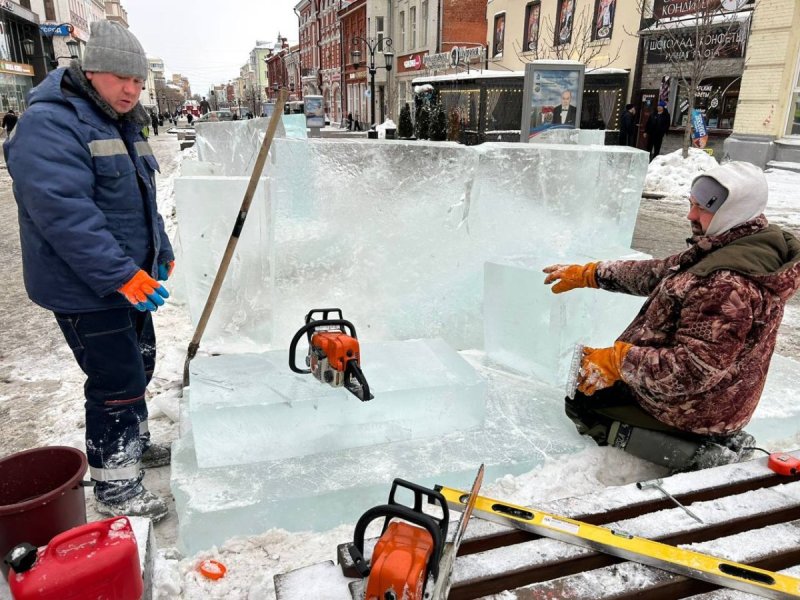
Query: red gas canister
(97, 561)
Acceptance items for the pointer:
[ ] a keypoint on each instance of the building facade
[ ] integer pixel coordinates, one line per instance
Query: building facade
(767, 125)
(20, 69)
(353, 19)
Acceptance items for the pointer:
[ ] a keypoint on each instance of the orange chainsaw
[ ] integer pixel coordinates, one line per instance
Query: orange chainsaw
(333, 352)
(408, 551)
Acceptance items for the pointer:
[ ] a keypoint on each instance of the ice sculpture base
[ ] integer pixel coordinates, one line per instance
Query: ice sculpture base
(531, 330)
(524, 425)
(422, 388)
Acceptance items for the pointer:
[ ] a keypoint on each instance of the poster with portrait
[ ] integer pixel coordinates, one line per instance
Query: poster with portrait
(499, 34)
(531, 34)
(564, 21)
(551, 97)
(603, 19)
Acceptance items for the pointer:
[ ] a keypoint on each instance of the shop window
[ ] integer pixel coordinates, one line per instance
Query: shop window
(503, 109)
(716, 98)
(793, 127)
(601, 108)
(530, 36)
(498, 41)
(464, 104)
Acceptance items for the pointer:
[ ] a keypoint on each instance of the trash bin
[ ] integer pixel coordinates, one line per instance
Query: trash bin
(40, 496)
(391, 133)
(372, 134)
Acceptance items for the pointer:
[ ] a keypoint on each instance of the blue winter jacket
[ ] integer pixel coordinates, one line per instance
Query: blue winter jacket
(85, 189)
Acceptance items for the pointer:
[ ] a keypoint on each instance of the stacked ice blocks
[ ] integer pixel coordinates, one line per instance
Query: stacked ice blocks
(248, 408)
(524, 426)
(532, 330)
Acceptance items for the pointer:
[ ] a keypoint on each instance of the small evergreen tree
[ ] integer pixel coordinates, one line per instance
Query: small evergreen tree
(438, 126)
(423, 122)
(406, 128)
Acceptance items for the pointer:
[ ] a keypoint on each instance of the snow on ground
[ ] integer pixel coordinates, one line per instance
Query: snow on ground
(253, 561)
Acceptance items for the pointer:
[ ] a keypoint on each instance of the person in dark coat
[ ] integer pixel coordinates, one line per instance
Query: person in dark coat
(627, 127)
(94, 249)
(189, 118)
(657, 126)
(9, 121)
(154, 123)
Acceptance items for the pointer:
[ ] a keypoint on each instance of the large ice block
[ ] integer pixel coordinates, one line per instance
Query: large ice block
(524, 426)
(234, 145)
(207, 208)
(532, 330)
(422, 388)
(570, 136)
(396, 233)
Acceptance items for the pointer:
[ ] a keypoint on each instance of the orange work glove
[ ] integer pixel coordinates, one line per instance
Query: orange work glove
(570, 277)
(144, 292)
(600, 367)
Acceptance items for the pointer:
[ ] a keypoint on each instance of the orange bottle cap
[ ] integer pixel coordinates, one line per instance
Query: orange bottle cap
(212, 569)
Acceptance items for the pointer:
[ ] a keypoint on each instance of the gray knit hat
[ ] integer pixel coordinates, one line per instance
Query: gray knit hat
(113, 49)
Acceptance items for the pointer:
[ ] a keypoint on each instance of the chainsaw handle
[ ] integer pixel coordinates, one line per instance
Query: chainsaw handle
(326, 313)
(399, 511)
(307, 329)
(433, 496)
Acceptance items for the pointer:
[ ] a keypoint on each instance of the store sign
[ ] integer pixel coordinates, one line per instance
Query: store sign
(61, 30)
(457, 56)
(666, 9)
(721, 43)
(16, 68)
(19, 11)
(413, 62)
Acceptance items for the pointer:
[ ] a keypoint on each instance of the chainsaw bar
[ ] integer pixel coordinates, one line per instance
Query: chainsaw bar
(466, 503)
(696, 565)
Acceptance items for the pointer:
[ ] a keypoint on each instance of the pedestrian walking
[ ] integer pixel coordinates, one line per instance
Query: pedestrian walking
(94, 249)
(657, 126)
(190, 118)
(9, 121)
(154, 123)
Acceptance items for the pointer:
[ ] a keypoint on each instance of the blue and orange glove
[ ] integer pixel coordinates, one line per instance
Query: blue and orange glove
(165, 269)
(601, 367)
(570, 277)
(144, 292)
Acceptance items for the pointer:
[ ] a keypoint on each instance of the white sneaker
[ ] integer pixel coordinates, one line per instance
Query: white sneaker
(146, 504)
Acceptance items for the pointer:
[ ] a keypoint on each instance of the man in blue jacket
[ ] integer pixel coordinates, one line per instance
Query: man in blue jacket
(94, 248)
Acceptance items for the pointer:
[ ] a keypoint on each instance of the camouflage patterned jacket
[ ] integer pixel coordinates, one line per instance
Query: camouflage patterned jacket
(703, 340)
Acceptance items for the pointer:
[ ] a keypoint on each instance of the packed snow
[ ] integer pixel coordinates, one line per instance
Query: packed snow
(252, 562)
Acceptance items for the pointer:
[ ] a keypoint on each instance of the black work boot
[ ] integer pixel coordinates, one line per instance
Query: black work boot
(146, 504)
(156, 455)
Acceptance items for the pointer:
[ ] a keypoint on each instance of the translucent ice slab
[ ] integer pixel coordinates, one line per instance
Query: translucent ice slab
(778, 414)
(396, 233)
(234, 145)
(532, 330)
(524, 425)
(207, 208)
(571, 136)
(422, 388)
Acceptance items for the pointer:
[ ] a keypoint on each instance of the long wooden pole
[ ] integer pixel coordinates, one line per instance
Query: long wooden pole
(261, 159)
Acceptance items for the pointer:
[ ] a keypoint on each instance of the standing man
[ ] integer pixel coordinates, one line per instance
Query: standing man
(685, 377)
(94, 246)
(154, 122)
(9, 121)
(565, 113)
(656, 128)
(627, 127)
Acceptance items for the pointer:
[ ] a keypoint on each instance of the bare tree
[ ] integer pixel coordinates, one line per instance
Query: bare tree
(691, 44)
(581, 46)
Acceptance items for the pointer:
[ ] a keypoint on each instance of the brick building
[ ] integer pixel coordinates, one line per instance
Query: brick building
(353, 22)
(277, 73)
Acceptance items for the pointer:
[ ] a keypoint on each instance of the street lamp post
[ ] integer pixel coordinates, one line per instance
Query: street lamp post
(372, 46)
(29, 46)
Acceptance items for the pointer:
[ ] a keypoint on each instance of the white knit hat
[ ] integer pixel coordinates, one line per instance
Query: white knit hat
(113, 49)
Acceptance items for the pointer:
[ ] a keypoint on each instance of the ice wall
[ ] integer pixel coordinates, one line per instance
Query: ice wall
(396, 233)
(207, 208)
(571, 136)
(531, 330)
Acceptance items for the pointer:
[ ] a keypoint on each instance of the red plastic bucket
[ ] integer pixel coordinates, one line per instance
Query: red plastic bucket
(40, 496)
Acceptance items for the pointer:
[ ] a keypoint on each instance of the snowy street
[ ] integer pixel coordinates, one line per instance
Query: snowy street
(41, 396)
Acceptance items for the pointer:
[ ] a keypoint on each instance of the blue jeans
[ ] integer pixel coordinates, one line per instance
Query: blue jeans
(116, 349)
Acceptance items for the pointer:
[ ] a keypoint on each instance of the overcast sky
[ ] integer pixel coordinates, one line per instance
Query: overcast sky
(208, 41)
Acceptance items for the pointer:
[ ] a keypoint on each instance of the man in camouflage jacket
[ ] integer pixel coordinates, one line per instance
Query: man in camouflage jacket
(688, 372)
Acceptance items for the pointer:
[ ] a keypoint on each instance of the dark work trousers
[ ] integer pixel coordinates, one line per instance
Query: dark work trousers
(653, 146)
(116, 349)
(593, 415)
